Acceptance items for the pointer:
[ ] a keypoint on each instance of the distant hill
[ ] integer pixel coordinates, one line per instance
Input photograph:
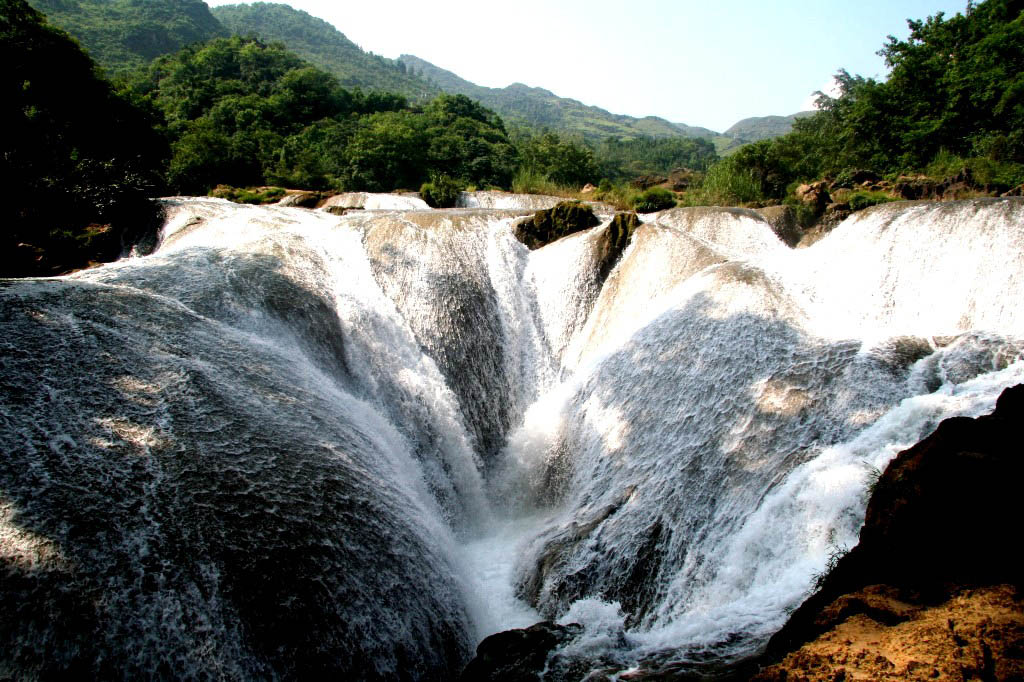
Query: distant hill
(124, 34)
(763, 127)
(540, 108)
(321, 44)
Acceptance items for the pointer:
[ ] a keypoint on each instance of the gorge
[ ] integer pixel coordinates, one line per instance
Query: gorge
(290, 444)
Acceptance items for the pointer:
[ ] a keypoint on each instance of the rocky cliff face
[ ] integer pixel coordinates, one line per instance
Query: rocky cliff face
(933, 589)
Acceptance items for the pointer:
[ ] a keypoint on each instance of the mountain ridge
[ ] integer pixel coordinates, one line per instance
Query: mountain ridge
(535, 106)
(323, 45)
(126, 34)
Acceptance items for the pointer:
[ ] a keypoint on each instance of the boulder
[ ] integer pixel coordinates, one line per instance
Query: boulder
(545, 227)
(814, 194)
(860, 177)
(518, 655)
(783, 222)
(648, 181)
(834, 214)
(914, 187)
(681, 179)
(301, 199)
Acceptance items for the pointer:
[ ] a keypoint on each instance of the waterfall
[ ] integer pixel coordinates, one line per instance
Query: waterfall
(291, 443)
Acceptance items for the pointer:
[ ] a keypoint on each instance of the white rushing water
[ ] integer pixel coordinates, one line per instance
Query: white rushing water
(290, 443)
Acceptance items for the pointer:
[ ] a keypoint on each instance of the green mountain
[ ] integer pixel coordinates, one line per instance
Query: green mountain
(124, 34)
(324, 46)
(763, 127)
(540, 108)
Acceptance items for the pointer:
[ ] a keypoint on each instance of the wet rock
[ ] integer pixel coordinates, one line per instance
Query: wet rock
(302, 199)
(568, 217)
(339, 210)
(613, 241)
(783, 222)
(939, 525)
(518, 655)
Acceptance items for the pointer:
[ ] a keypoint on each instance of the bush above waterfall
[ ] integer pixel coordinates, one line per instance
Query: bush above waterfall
(441, 192)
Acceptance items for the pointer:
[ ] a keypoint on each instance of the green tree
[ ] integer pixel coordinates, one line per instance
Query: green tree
(386, 152)
(561, 160)
(75, 152)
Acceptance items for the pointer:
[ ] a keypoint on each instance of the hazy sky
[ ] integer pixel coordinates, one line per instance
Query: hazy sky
(707, 62)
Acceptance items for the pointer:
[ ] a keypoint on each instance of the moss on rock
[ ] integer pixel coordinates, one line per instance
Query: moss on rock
(567, 217)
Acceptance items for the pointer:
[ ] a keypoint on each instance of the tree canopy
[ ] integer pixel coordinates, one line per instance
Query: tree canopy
(243, 112)
(74, 151)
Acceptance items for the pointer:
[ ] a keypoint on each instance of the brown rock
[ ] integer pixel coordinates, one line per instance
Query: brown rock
(681, 179)
(814, 194)
(301, 199)
(913, 187)
(975, 635)
(648, 181)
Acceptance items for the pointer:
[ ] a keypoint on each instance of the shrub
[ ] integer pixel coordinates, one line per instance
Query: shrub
(250, 195)
(982, 171)
(860, 200)
(441, 192)
(654, 199)
(526, 181)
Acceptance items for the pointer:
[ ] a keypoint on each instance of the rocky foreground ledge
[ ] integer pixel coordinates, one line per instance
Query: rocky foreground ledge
(933, 591)
(934, 588)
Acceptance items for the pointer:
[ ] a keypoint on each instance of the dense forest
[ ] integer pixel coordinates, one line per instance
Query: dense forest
(238, 111)
(79, 158)
(125, 34)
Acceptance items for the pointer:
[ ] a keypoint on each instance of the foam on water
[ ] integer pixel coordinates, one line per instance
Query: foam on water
(427, 433)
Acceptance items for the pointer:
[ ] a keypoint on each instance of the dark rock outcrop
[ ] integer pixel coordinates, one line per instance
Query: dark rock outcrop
(648, 181)
(783, 222)
(302, 199)
(568, 217)
(517, 655)
(939, 541)
(614, 241)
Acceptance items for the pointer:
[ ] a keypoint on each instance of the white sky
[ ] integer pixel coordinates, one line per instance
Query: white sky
(708, 63)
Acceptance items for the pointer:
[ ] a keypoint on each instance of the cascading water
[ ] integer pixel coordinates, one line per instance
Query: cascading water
(290, 443)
